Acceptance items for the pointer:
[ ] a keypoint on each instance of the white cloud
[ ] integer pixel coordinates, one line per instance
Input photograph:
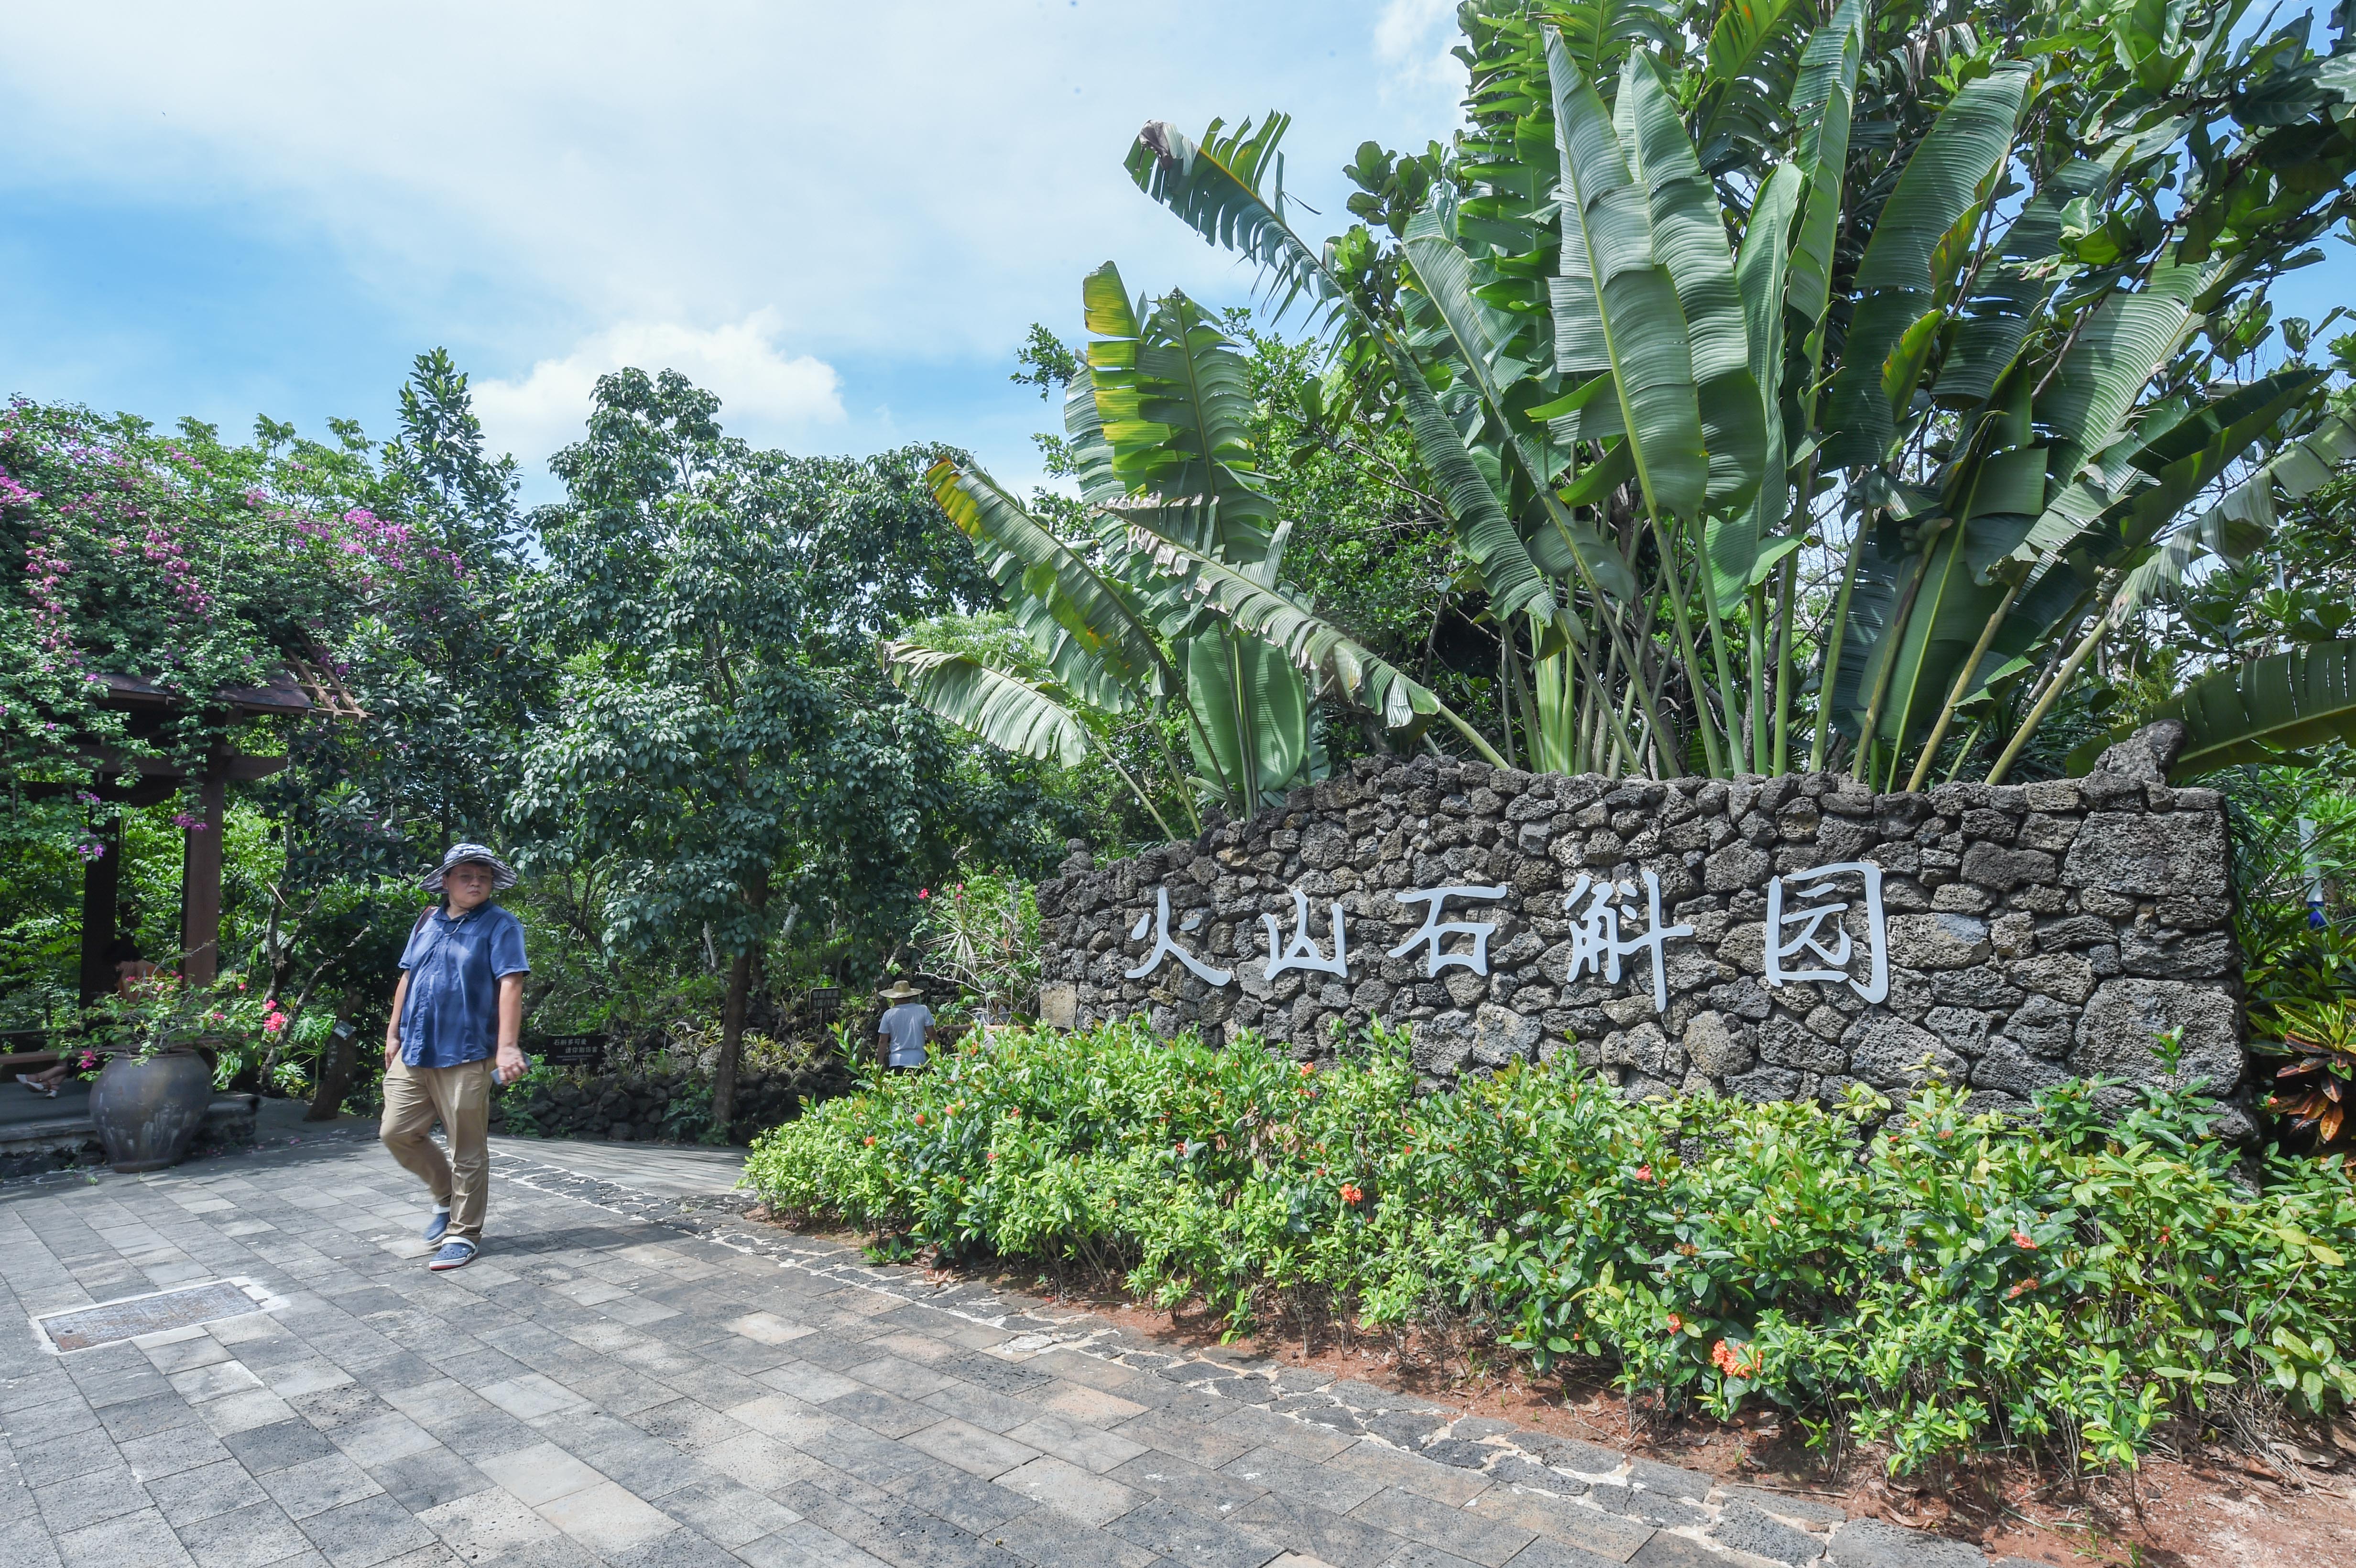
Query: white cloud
(1412, 38)
(765, 394)
(894, 190)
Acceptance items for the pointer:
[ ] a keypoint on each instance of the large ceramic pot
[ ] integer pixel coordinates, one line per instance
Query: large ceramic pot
(146, 1112)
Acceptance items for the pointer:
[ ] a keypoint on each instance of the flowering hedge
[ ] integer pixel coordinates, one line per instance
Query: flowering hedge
(1943, 1283)
(177, 559)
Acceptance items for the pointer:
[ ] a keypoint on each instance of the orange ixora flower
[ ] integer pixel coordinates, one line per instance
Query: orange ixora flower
(2021, 1238)
(1676, 1324)
(2029, 1284)
(870, 1140)
(1350, 1193)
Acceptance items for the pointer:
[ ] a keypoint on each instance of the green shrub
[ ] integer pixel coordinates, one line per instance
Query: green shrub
(1943, 1283)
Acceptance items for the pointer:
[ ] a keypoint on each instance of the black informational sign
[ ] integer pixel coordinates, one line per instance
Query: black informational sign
(825, 1003)
(573, 1050)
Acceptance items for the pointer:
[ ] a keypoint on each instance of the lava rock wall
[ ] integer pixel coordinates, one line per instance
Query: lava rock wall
(2026, 933)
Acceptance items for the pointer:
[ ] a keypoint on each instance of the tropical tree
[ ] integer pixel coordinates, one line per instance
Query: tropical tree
(1921, 286)
(722, 754)
(1140, 613)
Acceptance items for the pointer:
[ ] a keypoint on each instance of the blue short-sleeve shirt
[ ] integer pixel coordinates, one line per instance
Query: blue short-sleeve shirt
(455, 966)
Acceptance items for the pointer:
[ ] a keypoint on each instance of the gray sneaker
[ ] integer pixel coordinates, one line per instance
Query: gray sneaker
(436, 1224)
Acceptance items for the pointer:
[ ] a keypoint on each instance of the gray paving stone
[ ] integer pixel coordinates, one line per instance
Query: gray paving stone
(1167, 1475)
(262, 1449)
(318, 1485)
(187, 1497)
(1873, 1543)
(1545, 1553)
(141, 1537)
(1464, 1531)
(95, 1495)
(427, 1479)
(250, 1537)
(805, 1545)
(1415, 1554)
(1320, 1532)
(1184, 1536)
(364, 1533)
(726, 1512)
(1339, 1489)
(1742, 1526)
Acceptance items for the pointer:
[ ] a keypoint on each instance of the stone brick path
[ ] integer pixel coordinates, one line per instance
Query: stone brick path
(631, 1375)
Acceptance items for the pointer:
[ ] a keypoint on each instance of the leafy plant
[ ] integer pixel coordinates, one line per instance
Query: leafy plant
(1939, 1281)
(1786, 257)
(983, 932)
(2315, 1089)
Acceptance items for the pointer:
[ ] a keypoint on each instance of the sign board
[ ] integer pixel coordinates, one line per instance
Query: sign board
(824, 1003)
(1768, 938)
(573, 1050)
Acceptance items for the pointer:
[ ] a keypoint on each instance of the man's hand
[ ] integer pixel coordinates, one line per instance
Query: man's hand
(391, 1052)
(510, 1064)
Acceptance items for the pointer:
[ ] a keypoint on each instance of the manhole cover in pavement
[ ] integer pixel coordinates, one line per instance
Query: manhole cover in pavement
(85, 1327)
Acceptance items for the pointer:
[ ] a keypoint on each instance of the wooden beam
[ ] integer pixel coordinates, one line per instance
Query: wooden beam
(201, 885)
(101, 884)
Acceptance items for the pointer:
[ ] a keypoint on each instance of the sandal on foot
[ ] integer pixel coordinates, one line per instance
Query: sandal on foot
(453, 1255)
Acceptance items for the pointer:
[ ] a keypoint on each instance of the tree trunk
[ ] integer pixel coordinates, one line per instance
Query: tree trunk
(335, 1075)
(731, 1042)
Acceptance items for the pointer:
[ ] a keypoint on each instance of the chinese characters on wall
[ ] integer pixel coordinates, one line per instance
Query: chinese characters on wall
(1806, 936)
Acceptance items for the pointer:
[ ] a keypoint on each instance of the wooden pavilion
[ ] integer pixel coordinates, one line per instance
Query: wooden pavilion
(300, 689)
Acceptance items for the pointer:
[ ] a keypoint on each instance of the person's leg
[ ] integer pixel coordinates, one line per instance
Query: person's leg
(407, 1129)
(464, 1095)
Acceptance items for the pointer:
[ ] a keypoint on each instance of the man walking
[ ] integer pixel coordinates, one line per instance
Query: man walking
(457, 1015)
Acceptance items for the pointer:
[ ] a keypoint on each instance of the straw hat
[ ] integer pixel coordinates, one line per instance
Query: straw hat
(899, 991)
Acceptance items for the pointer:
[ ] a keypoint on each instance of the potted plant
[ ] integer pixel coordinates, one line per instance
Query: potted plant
(151, 1097)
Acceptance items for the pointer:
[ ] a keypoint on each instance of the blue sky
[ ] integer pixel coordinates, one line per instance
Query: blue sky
(842, 219)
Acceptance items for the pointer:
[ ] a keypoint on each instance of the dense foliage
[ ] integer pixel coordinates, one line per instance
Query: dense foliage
(1938, 1282)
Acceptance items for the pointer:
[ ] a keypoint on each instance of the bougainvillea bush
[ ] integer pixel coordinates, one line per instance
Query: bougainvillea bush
(1939, 1281)
(177, 559)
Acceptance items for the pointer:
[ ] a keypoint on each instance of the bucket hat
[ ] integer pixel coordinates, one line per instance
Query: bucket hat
(503, 876)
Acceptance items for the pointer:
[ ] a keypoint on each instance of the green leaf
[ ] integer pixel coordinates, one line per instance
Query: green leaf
(1253, 714)
(1910, 260)
(1089, 633)
(2256, 711)
(2113, 358)
(1214, 186)
(1822, 98)
(1689, 241)
(1615, 307)
(1004, 709)
(1344, 668)
(1733, 542)
(1444, 274)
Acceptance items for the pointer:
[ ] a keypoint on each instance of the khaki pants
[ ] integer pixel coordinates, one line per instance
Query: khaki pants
(460, 1099)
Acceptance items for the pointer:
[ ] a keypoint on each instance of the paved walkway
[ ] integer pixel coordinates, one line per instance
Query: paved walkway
(631, 1375)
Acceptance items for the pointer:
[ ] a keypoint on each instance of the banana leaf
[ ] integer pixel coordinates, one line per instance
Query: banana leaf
(1214, 185)
(1104, 640)
(1913, 259)
(1003, 709)
(1252, 712)
(1616, 306)
(2253, 712)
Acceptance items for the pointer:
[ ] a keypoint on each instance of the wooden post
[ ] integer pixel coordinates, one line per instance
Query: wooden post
(200, 884)
(101, 884)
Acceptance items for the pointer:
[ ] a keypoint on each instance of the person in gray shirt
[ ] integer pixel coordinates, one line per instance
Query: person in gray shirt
(906, 1029)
